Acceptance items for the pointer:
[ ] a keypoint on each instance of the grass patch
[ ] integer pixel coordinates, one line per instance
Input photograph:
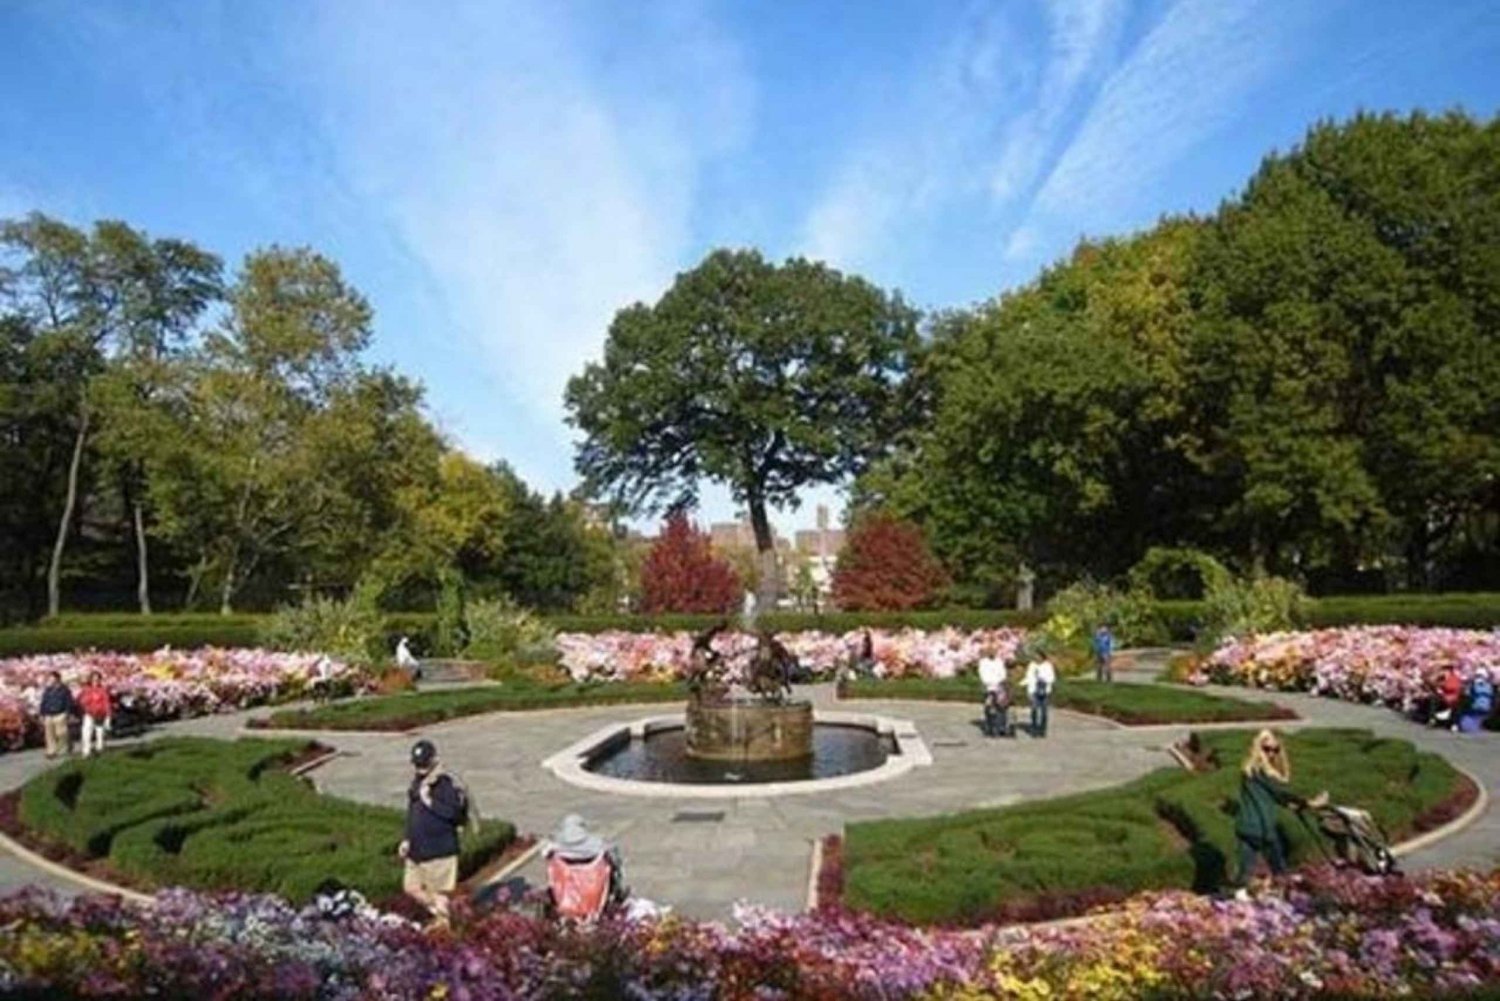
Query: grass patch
(216, 815)
(1132, 704)
(413, 709)
(1170, 828)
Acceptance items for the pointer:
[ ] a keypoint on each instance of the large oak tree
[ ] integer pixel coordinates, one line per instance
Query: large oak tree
(767, 378)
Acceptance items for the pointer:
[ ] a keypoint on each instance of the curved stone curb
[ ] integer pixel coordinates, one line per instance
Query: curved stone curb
(568, 764)
(814, 872)
(52, 868)
(1474, 812)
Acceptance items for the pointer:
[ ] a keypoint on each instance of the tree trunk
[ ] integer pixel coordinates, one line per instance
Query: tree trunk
(54, 569)
(765, 546)
(143, 575)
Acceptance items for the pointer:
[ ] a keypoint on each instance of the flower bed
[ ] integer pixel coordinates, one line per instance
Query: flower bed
(1319, 934)
(940, 653)
(168, 684)
(1395, 666)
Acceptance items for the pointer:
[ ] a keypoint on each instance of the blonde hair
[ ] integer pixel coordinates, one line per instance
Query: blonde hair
(1273, 763)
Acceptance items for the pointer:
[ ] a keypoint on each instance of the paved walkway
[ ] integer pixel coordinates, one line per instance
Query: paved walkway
(701, 856)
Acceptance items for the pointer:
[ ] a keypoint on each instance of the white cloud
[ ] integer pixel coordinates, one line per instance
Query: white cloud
(537, 197)
(1084, 34)
(984, 122)
(1187, 79)
(927, 155)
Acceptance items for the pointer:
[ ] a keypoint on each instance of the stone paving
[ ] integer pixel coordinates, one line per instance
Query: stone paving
(702, 856)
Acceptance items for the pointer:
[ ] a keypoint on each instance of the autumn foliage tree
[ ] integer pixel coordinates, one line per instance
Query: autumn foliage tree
(682, 574)
(886, 565)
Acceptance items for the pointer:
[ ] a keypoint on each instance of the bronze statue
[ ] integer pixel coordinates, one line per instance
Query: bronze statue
(705, 674)
(771, 669)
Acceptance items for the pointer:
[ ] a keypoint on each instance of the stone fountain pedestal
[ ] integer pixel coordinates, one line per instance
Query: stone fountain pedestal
(749, 730)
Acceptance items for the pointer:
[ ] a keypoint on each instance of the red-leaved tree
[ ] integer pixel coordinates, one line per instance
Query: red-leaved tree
(885, 565)
(682, 574)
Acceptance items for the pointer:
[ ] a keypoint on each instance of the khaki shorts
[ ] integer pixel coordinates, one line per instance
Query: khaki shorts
(425, 880)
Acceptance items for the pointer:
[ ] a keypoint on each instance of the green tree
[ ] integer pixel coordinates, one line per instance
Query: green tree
(245, 479)
(115, 295)
(40, 382)
(551, 558)
(1055, 435)
(767, 378)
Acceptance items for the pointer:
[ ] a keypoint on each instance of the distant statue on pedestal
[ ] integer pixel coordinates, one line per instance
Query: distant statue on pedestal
(1025, 583)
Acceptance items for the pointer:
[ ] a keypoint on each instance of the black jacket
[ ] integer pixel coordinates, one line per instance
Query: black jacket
(56, 700)
(432, 827)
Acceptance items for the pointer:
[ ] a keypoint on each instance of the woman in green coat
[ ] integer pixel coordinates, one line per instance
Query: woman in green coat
(1263, 786)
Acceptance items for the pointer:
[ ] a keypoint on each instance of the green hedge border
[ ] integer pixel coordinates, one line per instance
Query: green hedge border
(127, 632)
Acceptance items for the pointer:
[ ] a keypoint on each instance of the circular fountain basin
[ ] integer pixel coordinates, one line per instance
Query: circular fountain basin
(748, 730)
(665, 756)
(649, 757)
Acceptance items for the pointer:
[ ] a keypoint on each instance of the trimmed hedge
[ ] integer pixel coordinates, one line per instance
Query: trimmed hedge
(26, 640)
(131, 632)
(791, 622)
(408, 710)
(1171, 828)
(1132, 704)
(1479, 610)
(214, 815)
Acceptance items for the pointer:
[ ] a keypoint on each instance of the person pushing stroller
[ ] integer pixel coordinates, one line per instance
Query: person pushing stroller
(992, 676)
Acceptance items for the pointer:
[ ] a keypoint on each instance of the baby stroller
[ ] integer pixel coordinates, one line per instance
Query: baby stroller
(997, 713)
(1357, 838)
(996, 700)
(583, 890)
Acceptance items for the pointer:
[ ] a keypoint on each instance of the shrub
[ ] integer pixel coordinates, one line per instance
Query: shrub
(499, 630)
(1244, 607)
(449, 636)
(1168, 828)
(886, 566)
(350, 630)
(223, 815)
(1077, 611)
(682, 574)
(1176, 573)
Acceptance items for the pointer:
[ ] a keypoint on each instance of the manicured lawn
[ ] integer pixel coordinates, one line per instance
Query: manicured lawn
(218, 815)
(1171, 828)
(413, 709)
(1134, 704)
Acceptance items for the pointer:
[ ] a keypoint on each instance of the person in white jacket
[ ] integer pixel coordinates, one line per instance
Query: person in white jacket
(1041, 678)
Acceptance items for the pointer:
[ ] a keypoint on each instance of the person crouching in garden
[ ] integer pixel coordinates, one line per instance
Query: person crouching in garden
(98, 714)
(1264, 784)
(56, 707)
(437, 806)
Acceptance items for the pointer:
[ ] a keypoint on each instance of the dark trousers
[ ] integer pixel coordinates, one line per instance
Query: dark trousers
(1249, 848)
(1039, 715)
(1102, 671)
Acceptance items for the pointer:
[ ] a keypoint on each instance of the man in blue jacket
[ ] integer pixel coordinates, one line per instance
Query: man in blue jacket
(436, 807)
(1104, 651)
(57, 705)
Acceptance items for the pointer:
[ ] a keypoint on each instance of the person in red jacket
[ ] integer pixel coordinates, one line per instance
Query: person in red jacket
(97, 709)
(1450, 693)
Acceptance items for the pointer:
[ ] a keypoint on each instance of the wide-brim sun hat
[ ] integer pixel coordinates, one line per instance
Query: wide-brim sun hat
(574, 838)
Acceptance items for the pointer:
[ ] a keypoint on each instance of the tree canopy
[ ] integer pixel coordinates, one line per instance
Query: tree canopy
(767, 378)
(1307, 381)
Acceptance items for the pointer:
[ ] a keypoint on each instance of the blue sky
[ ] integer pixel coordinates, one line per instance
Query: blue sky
(499, 178)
